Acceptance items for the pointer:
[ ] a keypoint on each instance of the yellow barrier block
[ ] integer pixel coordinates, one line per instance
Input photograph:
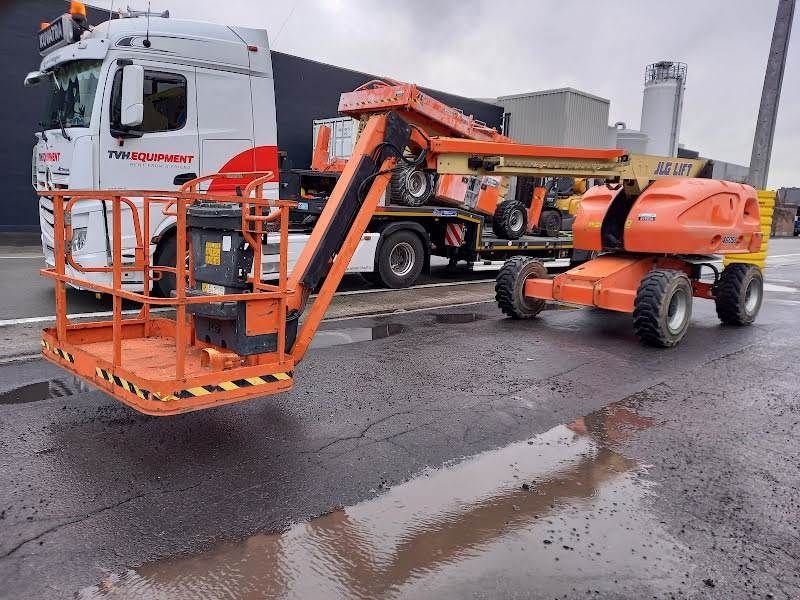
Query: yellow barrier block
(766, 205)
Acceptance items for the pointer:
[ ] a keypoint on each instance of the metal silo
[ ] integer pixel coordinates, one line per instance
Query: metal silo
(664, 84)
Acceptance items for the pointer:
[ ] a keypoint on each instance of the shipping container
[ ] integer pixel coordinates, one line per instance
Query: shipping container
(561, 117)
(344, 132)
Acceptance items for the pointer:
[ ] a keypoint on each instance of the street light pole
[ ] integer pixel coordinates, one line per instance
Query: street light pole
(770, 96)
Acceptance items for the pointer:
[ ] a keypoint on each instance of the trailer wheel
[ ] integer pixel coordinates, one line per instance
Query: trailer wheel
(164, 256)
(739, 293)
(509, 287)
(550, 222)
(411, 187)
(401, 257)
(510, 220)
(663, 308)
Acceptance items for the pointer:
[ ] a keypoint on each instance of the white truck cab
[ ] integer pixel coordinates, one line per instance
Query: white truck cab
(147, 102)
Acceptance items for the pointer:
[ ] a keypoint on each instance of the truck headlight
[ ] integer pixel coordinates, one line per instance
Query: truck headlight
(79, 238)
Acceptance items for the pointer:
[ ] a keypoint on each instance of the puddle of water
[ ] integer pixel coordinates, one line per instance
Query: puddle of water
(456, 318)
(561, 513)
(326, 338)
(43, 390)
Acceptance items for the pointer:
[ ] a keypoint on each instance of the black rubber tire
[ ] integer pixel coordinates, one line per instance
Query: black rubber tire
(550, 222)
(415, 195)
(732, 294)
(509, 287)
(510, 220)
(653, 304)
(409, 242)
(165, 256)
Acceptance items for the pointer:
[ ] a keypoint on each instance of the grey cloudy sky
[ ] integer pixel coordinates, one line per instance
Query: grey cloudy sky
(491, 48)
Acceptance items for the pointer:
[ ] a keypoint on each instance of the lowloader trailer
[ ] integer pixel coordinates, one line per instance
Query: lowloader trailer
(236, 336)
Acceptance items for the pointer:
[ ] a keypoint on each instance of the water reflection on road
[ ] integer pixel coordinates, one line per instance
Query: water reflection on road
(561, 514)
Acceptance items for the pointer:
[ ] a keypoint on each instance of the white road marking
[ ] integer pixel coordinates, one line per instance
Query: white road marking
(771, 287)
(21, 256)
(782, 301)
(108, 313)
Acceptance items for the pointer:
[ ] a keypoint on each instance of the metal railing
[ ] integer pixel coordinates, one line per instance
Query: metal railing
(257, 213)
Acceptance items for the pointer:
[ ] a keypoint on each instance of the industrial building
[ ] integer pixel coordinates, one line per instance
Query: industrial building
(570, 117)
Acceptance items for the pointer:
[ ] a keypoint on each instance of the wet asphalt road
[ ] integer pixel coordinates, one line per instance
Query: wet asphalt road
(692, 492)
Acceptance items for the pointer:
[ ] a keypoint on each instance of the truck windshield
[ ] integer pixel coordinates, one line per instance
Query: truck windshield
(74, 86)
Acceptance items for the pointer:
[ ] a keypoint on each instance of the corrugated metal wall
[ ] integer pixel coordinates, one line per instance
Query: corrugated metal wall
(23, 107)
(563, 117)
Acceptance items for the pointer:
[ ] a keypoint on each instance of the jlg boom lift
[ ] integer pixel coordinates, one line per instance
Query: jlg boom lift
(236, 337)
(511, 219)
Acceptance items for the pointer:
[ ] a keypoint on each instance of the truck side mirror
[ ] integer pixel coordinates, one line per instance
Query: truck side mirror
(132, 106)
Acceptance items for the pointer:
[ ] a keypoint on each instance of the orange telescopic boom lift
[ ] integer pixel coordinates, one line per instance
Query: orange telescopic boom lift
(235, 336)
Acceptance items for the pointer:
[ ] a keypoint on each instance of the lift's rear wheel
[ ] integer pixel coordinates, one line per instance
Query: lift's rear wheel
(663, 308)
(739, 293)
(509, 287)
(411, 187)
(510, 220)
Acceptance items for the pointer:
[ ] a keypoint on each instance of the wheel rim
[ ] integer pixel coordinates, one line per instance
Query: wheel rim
(417, 183)
(677, 311)
(515, 220)
(752, 296)
(402, 258)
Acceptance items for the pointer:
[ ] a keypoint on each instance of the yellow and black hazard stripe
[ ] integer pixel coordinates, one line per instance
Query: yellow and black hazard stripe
(195, 391)
(126, 385)
(235, 384)
(62, 354)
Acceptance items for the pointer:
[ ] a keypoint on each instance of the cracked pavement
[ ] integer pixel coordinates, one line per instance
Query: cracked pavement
(88, 487)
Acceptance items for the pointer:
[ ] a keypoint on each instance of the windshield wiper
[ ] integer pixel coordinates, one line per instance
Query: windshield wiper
(43, 125)
(63, 129)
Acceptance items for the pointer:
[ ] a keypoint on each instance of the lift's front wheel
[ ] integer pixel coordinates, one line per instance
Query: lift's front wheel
(739, 293)
(509, 287)
(663, 308)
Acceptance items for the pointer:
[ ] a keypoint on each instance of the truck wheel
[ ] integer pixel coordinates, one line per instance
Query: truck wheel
(401, 257)
(164, 256)
(510, 220)
(663, 308)
(739, 293)
(411, 187)
(509, 287)
(550, 222)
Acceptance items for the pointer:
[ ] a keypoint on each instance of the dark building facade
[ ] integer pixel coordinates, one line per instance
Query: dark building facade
(304, 89)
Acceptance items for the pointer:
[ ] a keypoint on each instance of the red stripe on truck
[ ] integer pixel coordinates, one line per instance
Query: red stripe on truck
(260, 158)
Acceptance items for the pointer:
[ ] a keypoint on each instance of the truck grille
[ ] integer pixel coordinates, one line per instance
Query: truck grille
(47, 220)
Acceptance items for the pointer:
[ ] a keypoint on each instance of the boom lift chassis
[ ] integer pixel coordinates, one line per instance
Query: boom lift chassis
(163, 366)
